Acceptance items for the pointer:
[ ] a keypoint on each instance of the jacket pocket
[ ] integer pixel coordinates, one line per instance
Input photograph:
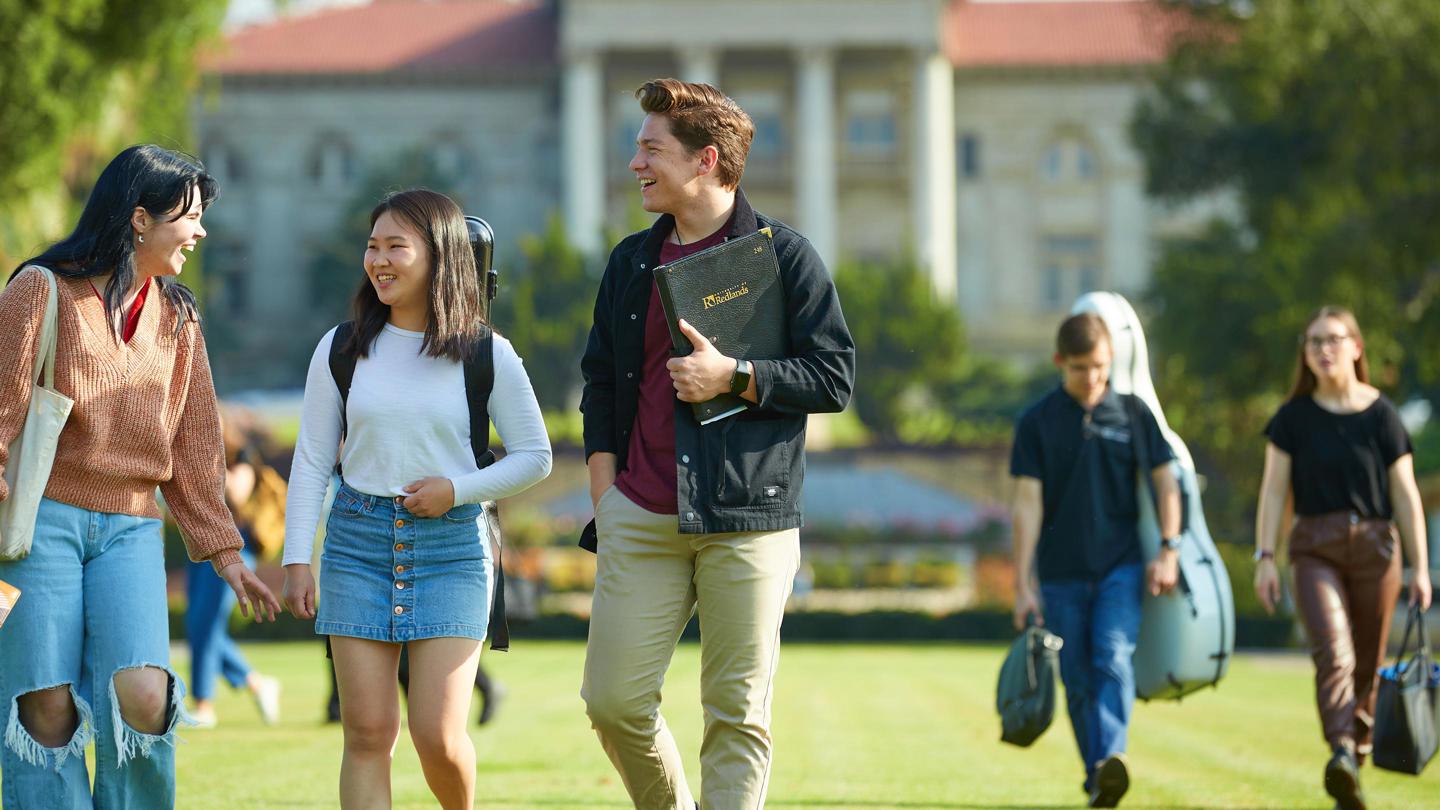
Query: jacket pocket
(753, 467)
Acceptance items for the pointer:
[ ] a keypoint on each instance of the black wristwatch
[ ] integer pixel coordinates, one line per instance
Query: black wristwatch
(1170, 543)
(740, 380)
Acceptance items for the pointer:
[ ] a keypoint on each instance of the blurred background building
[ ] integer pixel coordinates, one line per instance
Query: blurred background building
(986, 140)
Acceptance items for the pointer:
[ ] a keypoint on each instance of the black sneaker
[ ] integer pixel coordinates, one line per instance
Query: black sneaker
(1342, 779)
(1112, 779)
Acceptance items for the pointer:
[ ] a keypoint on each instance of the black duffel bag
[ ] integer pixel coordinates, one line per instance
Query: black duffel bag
(1404, 713)
(1025, 694)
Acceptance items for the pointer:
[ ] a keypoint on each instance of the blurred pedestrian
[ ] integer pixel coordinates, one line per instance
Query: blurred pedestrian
(1339, 460)
(255, 495)
(1075, 520)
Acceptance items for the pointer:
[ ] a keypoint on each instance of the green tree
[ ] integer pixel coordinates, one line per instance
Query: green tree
(336, 269)
(79, 79)
(545, 307)
(1319, 116)
(907, 343)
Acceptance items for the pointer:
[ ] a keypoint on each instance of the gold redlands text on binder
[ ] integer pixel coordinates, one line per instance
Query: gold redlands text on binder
(725, 295)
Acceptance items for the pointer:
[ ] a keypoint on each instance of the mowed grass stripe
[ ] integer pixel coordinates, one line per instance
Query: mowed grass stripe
(856, 726)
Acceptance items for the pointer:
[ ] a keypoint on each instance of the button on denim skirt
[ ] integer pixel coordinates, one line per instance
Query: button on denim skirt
(388, 575)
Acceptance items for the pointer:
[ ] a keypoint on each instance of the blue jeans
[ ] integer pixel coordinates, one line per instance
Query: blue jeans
(1099, 622)
(209, 603)
(92, 604)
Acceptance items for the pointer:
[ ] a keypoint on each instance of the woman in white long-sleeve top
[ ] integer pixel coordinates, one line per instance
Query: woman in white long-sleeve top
(406, 561)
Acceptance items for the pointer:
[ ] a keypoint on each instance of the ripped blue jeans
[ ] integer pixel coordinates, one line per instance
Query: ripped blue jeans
(92, 604)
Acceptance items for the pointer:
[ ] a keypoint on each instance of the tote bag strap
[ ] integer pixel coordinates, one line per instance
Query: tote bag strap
(1415, 621)
(45, 351)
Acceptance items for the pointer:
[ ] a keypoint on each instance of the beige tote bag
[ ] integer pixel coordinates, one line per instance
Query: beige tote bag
(32, 454)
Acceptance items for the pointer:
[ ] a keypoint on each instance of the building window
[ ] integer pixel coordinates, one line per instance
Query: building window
(450, 159)
(765, 108)
(1070, 268)
(224, 163)
(332, 162)
(1069, 160)
(226, 262)
(870, 123)
(627, 118)
(970, 156)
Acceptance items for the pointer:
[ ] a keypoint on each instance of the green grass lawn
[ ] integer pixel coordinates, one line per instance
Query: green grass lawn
(856, 726)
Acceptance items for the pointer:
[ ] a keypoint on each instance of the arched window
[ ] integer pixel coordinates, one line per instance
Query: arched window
(450, 158)
(766, 111)
(626, 117)
(332, 162)
(1069, 159)
(224, 162)
(870, 128)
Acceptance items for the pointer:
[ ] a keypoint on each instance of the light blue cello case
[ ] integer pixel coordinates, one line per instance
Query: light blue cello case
(1187, 637)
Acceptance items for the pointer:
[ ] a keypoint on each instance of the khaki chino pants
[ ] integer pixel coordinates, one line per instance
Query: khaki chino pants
(649, 579)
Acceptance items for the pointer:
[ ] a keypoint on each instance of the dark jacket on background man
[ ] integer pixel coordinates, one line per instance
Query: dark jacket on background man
(742, 473)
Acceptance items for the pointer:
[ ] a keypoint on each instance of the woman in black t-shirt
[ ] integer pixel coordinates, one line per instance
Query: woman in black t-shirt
(1340, 458)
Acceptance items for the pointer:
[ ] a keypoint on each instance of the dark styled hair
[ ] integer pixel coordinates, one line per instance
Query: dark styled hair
(1305, 381)
(145, 176)
(1080, 334)
(702, 116)
(456, 321)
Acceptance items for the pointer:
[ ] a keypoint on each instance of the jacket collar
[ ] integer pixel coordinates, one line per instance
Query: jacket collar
(742, 223)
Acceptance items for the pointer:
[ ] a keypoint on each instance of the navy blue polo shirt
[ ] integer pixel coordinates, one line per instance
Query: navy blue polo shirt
(1086, 464)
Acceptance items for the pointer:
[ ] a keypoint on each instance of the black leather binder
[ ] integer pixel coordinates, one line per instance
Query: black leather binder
(730, 293)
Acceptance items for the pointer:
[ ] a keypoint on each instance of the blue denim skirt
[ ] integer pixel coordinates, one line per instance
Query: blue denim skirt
(387, 575)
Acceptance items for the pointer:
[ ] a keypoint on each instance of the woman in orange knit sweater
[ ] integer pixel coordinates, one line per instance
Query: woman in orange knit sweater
(86, 653)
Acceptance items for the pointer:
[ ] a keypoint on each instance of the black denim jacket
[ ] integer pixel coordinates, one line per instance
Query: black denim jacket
(742, 473)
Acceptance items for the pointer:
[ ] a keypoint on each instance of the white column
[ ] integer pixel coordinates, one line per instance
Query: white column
(583, 146)
(932, 172)
(700, 64)
(815, 186)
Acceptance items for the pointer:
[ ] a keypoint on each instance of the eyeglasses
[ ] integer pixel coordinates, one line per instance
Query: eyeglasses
(1318, 343)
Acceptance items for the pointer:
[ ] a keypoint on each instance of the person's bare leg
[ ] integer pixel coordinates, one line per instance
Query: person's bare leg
(370, 716)
(442, 678)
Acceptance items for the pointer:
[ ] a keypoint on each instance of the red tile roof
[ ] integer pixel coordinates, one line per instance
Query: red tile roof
(396, 36)
(475, 35)
(1060, 33)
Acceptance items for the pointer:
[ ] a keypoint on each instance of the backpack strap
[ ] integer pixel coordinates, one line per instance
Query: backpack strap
(1141, 441)
(342, 370)
(479, 382)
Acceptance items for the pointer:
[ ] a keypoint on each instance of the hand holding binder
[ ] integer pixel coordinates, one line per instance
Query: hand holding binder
(730, 295)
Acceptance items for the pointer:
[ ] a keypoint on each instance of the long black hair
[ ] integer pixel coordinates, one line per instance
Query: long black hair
(145, 176)
(456, 321)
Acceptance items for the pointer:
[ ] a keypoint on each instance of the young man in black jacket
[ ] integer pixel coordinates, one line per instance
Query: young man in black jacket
(692, 518)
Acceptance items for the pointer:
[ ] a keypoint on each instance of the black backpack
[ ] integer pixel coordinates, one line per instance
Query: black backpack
(1025, 693)
(479, 381)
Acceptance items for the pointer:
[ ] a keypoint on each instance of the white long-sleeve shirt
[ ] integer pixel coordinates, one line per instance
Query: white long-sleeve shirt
(408, 419)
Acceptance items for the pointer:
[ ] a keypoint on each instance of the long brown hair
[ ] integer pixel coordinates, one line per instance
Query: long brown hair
(456, 320)
(1305, 382)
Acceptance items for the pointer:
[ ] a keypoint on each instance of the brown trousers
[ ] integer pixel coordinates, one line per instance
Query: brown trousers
(1347, 578)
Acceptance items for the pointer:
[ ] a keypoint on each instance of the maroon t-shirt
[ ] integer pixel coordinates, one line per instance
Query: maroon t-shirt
(649, 477)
